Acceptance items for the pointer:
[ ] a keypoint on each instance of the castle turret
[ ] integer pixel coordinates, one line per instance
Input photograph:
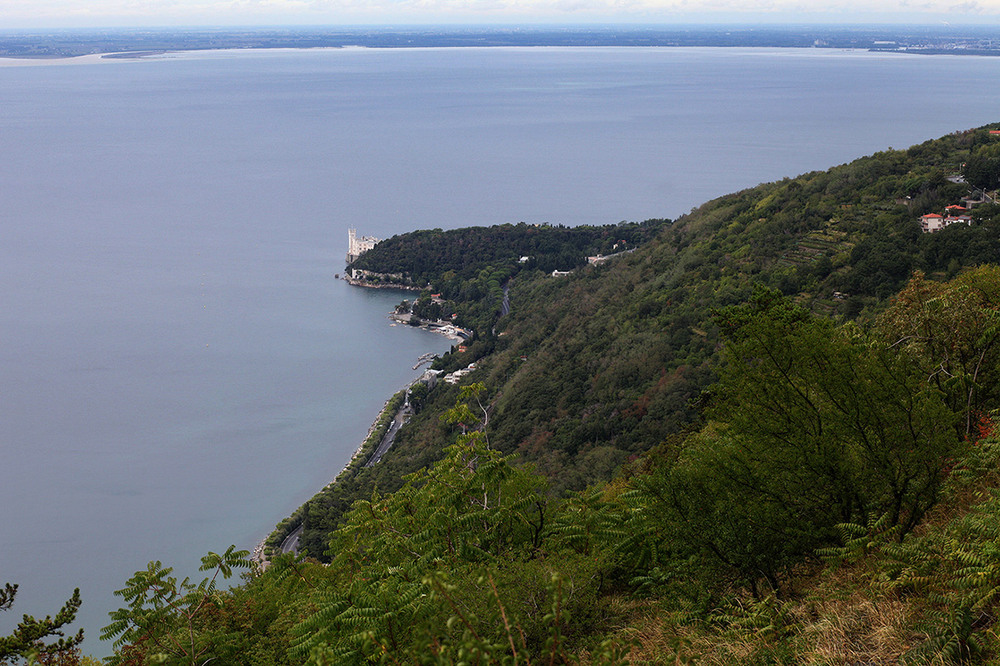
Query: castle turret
(358, 246)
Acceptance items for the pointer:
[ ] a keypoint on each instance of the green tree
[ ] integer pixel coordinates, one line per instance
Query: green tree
(952, 331)
(418, 393)
(814, 425)
(471, 509)
(842, 419)
(164, 619)
(452, 568)
(28, 639)
(982, 169)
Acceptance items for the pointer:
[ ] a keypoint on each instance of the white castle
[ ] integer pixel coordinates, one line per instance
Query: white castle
(358, 246)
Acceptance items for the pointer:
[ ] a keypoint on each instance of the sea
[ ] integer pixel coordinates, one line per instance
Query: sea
(181, 367)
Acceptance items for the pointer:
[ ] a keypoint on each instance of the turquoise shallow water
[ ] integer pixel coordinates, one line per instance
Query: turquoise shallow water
(180, 369)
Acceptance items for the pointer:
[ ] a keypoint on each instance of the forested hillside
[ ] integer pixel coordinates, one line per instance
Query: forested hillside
(589, 370)
(469, 267)
(764, 436)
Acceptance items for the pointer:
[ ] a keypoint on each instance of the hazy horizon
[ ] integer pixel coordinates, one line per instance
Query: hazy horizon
(58, 14)
(444, 24)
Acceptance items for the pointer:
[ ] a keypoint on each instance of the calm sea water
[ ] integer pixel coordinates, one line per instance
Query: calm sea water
(180, 369)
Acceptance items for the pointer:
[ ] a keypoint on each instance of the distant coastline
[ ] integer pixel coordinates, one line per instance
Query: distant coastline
(133, 43)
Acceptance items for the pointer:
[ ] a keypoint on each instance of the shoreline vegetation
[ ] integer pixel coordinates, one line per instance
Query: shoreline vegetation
(679, 508)
(274, 542)
(445, 328)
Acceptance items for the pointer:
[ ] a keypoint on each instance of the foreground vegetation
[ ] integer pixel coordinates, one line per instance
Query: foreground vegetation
(791, 526)
(764, 436)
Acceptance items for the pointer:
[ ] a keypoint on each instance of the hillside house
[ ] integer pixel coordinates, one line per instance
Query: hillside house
(932, 222)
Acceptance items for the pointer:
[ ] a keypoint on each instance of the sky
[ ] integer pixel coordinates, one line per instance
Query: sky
(115, 13)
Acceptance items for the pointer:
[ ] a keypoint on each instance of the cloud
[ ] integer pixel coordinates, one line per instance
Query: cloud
(630, 7)
(971, 7)
(172, 12)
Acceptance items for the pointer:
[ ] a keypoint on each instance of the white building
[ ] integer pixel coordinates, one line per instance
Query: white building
(358, 246)
(933, 222)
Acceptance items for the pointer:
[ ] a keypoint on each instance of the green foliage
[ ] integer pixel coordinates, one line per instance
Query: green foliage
(709, 526)
(473, 517)
(807, 435)
(859, 541)
(472, 505)
(163, 618)
(951, 570)
(470, 266)
(604, 364)
(953, 331)
(586, 523)
(822, 407)
(595, 368)
(28, 639)
(951, 640)
(472, 508)
(957, 568)
(462, 636)
(769, 618)
(479, 259)
(982, 169)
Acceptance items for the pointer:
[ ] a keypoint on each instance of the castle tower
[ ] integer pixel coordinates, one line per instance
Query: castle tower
(358, 246)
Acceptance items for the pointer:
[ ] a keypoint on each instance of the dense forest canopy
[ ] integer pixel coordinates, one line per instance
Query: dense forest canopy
(469, 267)
(763, 436)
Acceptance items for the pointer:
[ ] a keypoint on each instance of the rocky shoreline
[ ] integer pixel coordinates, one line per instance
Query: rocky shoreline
(357, 282)
(447, 329)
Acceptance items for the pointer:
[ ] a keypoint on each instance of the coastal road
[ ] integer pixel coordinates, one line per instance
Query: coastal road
(291, 542)
(390, 436)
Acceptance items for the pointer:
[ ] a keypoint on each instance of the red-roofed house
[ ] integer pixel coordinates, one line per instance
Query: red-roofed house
(931, 222)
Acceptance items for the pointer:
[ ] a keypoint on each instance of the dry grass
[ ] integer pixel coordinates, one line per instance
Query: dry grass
(862, 629)
(837, 620)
